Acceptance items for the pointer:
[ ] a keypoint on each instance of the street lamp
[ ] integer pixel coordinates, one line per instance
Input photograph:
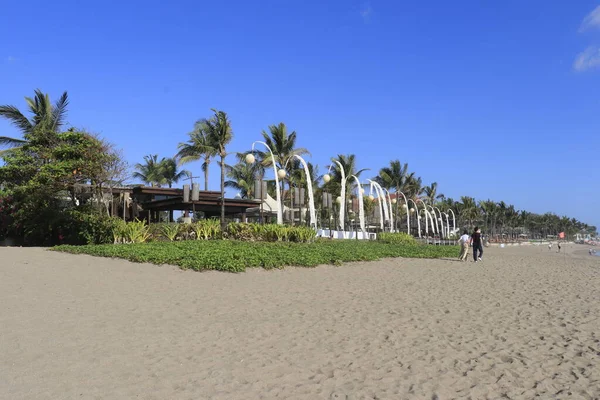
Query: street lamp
(251, 160)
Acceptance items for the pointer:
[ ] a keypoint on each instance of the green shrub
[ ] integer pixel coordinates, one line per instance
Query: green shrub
(169, 231)
(236, 256)
(396, 238)
(207, 229)
(133, 232)
(88, 227)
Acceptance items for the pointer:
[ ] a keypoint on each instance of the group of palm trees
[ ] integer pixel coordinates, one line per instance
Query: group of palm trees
(211, 136)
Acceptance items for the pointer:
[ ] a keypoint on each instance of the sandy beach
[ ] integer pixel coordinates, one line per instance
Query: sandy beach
(523, 323)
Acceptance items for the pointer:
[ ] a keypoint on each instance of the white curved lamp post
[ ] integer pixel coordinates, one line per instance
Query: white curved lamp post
(391, 210)
(435, 219)
(447, 225)
(407, 212)
(441, 219)
(380, 202)
(311, 198)
(418, 220)
(279, 205)
(361, 208)
(453, 220)
(343, 194)
(427, 218)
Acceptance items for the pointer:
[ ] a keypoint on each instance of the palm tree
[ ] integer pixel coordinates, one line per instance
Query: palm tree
(283, 146)
(414, 186)
(47, 118)
(219, 134)
(243, 175)
(169, 172)
(197, 148)
(431, 193)
(469, 210)
(394, 178)
(151, 172)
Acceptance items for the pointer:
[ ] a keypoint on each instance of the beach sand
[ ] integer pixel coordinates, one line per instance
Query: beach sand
(523, 323)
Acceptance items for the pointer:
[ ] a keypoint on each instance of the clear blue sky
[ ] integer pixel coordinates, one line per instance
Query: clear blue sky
(495, 101)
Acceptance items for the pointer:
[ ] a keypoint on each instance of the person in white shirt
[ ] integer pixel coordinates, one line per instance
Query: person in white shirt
(464, 246)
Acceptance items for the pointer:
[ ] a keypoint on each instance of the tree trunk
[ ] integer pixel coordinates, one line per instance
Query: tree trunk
(206, 176)
(222, 192)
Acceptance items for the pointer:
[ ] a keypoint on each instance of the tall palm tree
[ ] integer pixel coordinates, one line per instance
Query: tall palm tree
(283, 146)
(414, 185)
(469, 210)
(197, 148)
(150, 172)
(219, 135)
(169, 171)
(47, 118)
(431, 193)
(394, 177)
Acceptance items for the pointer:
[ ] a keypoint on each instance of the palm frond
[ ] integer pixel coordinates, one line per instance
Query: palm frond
(11, 142)
(16, 118)
(59, 111)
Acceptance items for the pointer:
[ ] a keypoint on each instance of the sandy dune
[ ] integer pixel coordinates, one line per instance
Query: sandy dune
(525, 322)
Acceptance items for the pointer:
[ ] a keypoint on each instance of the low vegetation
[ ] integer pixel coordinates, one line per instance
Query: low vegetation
(236, 256)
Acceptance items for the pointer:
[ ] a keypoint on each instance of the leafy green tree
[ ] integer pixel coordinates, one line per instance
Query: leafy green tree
(40, 179)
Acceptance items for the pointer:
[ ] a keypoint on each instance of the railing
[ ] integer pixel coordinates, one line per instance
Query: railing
(437, 241)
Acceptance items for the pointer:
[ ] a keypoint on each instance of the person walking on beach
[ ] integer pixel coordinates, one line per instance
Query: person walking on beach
(476, 243)
(464, 246)
(558, 245)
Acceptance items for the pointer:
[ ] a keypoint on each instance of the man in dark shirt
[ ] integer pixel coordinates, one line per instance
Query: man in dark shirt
(477, 245)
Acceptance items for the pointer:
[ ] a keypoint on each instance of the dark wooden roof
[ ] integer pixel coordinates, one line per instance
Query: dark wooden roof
(208, 204)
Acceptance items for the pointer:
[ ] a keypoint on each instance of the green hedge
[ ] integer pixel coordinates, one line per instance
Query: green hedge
(236, 256)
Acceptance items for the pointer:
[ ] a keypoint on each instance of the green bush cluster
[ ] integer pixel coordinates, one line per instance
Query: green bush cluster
(270, 233)
(114, 230)
(396, 238)
(236, 256)
(87, 226)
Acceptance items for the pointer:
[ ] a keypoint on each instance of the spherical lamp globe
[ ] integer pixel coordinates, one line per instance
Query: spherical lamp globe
(394, 201)
(371, 197)
(250, 158)
(362, 191)
(281, 173)
(405, 206)
(412, 210)
(338, 200)
(326, 178)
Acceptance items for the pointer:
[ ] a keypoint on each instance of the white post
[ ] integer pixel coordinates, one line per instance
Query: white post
(343, 194)
(453, 220)
(441, 222)
(417, 213)
(391, 210)
(378, 202)
(311, 200)
(447, 225)
(279, 205)
(407, 212)
(361, 207)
